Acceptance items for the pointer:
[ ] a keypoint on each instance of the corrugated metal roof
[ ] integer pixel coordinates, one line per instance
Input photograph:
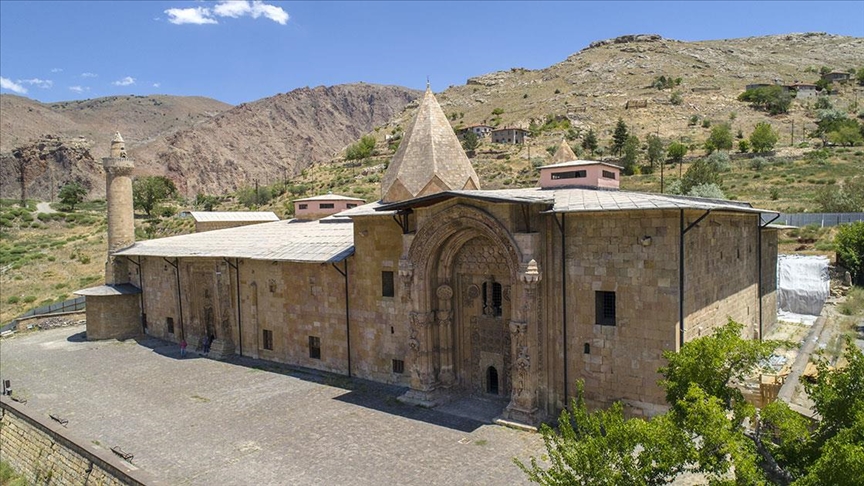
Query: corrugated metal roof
(330, 197)
(233, 216)
(321, 241)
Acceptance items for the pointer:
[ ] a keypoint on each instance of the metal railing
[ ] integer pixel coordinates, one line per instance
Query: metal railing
(819, 219)
(72, 305)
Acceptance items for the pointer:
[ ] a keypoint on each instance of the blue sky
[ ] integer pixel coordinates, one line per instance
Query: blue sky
(239, 52)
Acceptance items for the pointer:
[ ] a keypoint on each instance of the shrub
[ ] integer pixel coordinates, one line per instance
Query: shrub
(757, 163)
(676, 98)
(743, 146)
(712, 191)
(719, 161)
(694, 119)
(29, 299)
(362, 149)
(13, 299)
(850, 247)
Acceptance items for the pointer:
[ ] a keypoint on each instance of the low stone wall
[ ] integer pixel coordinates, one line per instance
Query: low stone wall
(44, 452)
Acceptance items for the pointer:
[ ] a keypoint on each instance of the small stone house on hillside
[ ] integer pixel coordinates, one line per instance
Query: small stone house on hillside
(836, 77)
(317, 207)
(509, 135)
(480, 130)
(804, 90)
(454, 292)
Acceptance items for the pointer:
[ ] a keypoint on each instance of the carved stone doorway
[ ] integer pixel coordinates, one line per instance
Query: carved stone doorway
(482, 320)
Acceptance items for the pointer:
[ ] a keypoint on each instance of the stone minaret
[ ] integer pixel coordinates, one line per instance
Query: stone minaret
(121, 216)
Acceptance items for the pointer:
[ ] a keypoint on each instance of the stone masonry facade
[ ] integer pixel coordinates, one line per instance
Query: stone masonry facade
(43, 454)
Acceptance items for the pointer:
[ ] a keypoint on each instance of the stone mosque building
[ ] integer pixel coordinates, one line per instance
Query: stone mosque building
(453, 291)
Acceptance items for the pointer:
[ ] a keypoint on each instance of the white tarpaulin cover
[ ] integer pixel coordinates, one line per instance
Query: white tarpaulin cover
(802, 287)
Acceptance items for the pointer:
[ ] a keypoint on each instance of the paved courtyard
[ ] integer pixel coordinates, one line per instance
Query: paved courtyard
(199, 421)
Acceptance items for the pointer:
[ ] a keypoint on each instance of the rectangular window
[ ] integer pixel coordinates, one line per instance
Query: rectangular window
(573, 174)
(170, 323)
(302, 206)
(388, 289)
(326, 206)
(268, 339)
(351, 205)
(398, 366)
(608, 174)
(604, 303)
(314, 347)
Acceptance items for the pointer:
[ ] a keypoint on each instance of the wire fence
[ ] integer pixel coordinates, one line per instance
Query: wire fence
(72, 305)
(819, 219)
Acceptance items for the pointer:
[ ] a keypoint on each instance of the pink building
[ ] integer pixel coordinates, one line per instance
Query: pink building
(585, 173)
(317, 207)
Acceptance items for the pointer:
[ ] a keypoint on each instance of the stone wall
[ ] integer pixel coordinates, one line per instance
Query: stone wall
(294, 301)
(769, 279)
(379, 325)
(44, 452)
(721, 273)
(113, 316)
(631, 254)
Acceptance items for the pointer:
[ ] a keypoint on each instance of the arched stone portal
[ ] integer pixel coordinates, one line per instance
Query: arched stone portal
(471, 296)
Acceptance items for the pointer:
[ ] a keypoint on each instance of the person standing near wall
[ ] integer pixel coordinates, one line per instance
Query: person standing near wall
(183, 348)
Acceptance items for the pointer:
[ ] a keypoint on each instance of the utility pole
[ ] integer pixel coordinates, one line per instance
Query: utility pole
(257, 194)
(792, 134)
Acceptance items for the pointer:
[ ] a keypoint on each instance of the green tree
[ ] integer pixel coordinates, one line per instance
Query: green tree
(470, 141)
(850, 247)
(774, 99)
(251, 196)
(676, 152)
(720, 138)
(71, 194)
(590, 141)
(631, 155)
(699, 173)
(845, 198)
(847, 134)
(207, 202)
(763, 138)
(362, 149)
(583, 437)
(619, 137)
(149, 191)
(656, 150)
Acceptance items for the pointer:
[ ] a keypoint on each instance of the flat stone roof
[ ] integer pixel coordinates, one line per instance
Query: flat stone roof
(583, 199)
(330, 197)
(233, 216)
(580, 163)
(106, 290)
(321, 241)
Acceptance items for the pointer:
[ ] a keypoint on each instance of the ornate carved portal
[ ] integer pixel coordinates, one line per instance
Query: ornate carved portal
(472, 305)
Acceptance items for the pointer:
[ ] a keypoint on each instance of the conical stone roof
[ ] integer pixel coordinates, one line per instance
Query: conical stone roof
(563, 154)
(430, 158)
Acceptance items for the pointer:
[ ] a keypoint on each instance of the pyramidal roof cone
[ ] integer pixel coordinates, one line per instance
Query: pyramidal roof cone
(430, 158)
(563, 154)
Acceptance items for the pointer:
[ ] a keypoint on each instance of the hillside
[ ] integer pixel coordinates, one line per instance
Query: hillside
(265, 140)
(590, 90)
(275, 138)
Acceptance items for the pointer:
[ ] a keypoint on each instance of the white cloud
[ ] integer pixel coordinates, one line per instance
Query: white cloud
(196, 15)
(156, 85)
(12, 86)
(89, 75)
(79, 89)
(56, 70)
(227, 8)
(127, 81)
(42, 83)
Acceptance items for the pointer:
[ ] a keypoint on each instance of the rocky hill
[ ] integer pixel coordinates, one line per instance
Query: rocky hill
(592, 87)
(275, 138)
(202, 144)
